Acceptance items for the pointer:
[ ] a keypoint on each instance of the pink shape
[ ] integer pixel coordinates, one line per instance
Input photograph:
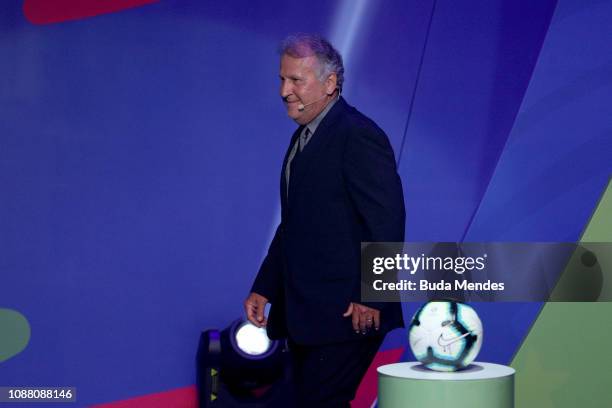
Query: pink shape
(178, 398)
(368, 389)
(57, 11)
(187, 397)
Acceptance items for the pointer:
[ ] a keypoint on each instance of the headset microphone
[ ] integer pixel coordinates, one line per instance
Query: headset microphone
(301, 106)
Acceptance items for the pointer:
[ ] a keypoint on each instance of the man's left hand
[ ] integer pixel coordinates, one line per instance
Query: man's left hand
(363, 317)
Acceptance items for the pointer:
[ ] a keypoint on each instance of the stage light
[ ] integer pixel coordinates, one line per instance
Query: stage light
(241, 367)
(252, 340)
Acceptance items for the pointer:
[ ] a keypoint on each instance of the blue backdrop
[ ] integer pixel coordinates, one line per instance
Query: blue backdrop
(140, 153)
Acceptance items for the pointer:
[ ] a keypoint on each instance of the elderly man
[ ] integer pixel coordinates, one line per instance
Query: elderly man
(339, 187)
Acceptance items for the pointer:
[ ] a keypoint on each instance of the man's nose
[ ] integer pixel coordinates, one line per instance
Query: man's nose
(285, 89)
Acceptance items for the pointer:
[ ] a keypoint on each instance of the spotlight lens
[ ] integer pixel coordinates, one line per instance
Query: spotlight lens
(252, 340)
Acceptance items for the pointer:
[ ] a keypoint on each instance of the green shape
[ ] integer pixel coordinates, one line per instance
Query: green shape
(14, 333)
(599, 227)
(599, 232)
(565, 360)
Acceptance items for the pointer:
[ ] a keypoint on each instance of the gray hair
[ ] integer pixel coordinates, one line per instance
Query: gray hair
(304, 45)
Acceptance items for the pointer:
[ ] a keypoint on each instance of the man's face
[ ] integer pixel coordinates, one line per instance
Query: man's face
(300, 85)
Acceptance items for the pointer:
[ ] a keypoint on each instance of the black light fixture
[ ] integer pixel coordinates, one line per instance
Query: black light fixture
(241, 367)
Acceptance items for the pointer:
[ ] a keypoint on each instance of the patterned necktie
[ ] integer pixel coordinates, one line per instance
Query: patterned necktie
(298, 147)
(304, 139)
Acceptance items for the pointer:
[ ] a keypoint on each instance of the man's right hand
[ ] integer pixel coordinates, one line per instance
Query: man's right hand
(254, 306)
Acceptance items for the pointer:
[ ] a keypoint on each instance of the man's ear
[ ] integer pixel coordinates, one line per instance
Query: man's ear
(331, 83)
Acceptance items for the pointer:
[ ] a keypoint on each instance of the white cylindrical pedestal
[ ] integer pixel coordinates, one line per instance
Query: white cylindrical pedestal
(481, 385)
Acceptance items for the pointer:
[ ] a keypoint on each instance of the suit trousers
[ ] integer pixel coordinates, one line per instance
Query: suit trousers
(327, 376)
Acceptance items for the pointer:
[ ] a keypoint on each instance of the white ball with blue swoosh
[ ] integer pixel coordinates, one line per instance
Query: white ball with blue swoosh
(445, 335)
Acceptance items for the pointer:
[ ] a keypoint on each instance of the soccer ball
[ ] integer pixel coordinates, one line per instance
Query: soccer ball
(445, 335)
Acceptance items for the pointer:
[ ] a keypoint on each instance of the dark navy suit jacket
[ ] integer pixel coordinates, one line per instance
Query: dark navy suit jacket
(344, 190)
